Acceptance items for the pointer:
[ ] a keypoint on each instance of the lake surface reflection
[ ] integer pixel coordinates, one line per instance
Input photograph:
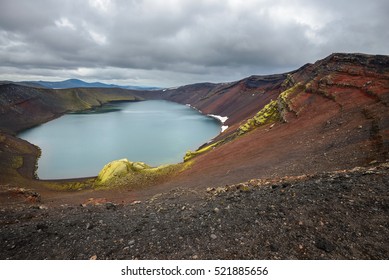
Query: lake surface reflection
(155, 132)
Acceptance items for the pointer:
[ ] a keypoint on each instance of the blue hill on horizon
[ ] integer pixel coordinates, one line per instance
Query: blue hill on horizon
(76, 83)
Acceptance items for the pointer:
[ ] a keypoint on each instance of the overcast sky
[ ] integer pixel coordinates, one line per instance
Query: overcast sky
(175, 42)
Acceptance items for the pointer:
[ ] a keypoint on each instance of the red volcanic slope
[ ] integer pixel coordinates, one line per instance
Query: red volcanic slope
(336, 116)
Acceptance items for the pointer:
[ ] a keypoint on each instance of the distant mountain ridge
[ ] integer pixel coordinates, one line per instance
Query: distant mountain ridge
(76, 83)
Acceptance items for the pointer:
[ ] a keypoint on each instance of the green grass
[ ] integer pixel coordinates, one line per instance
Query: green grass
(268, 114)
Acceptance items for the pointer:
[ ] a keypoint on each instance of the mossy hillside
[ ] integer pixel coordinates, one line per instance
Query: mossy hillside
(270, 113)
(273, 111)
(84, 99)
(122, 173)
(114, 169)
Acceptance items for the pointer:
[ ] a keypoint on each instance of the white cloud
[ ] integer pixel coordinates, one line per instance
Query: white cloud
(65, 23)
(101, 5)
(100, 39)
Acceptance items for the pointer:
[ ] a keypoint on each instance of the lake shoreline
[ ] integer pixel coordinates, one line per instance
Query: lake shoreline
(119, 108)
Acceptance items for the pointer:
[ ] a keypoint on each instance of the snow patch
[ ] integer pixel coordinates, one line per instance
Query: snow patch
(220, 118)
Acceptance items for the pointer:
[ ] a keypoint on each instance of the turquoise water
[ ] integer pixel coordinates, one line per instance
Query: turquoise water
(155, 132)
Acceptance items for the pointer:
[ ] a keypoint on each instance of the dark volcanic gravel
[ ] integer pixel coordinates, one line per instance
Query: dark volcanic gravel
(339, 215)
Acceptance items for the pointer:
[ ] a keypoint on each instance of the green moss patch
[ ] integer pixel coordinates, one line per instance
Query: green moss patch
(285, 96)
(268, 114)
(190, 154)
(17, 162)
(122, 173)
(273, 111)
(71, 186)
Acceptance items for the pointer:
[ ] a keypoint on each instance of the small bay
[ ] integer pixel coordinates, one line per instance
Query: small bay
(155, 132)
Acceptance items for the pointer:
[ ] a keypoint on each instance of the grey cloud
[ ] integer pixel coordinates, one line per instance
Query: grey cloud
(176, 42)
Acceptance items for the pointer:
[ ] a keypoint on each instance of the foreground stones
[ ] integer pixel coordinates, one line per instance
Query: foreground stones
(336, 215)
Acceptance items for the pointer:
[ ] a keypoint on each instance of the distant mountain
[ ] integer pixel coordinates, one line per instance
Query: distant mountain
(26, 84)
(75, 83)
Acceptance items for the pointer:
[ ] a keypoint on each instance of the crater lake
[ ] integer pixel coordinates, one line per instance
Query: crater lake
(155, 132)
